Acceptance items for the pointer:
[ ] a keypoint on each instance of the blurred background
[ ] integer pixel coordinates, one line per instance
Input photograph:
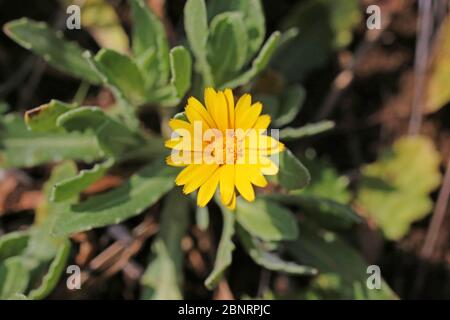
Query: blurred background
(387, 90)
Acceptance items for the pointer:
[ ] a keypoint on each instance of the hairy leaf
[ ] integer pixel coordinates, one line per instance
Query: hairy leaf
(70, 187)
(196, 26)
(149, 33)
(20, 147)
(141, 191)
(49, 44)
(253, 18)
(259, 64)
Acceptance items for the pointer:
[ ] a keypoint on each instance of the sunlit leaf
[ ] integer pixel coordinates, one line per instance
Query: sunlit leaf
(395, 189)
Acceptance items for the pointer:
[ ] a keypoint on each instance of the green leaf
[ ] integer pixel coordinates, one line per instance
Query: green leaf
(395, 190)
(308, 130)
(163, 277)
(14, 277)
(146, 61)
(325, 180)
(13, 243)
(290, 103)
(38, 249)
(330, 255)
(101, 20)
(51, 278)
(253, 18)
(196, 26)
(324, 26)
(259, 64)
(149, 33)
(142, 190)
(181, 69)
(327, 213)
(121, 74)
(266, 220)
(293, 174)
(225, 250)
(437, 92)
(270, 260)
(68, 188)
(43, 118)
(113, 137)
(20, 147)
(227, 45)
(49, 44)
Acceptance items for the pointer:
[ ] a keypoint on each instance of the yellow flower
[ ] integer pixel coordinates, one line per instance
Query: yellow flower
(222, 145)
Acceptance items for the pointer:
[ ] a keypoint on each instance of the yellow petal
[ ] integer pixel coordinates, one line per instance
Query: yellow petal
(211, 104)
(242, 106)
(170, 162)
(227, 183)
(196, 112)
(207, 190)
(256, 176)
(232, 204)
(243, 184)
(262, 123)
(174, 143)
(221, 112)
(266, 145)
(267, 166)
(201, 176)
(176, 124)
(230, 105)
(187, 174)
(247, 119)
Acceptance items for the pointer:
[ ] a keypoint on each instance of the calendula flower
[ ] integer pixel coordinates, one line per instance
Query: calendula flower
(223, 145)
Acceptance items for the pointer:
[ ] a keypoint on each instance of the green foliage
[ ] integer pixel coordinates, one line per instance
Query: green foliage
(343, 272)
(325, 180)
(266, 220)
(224, 37)
(252, 17)
(283, 107)
(164, 275)
(68, 188)
(308, 130)
(394, 199)
(139, 192)
(293, 174)
(63, 55)
(224, 251)
(122, 74)
(328, 213)
(324, 26)
(25, 255)
(20, 147)
(270, 260)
